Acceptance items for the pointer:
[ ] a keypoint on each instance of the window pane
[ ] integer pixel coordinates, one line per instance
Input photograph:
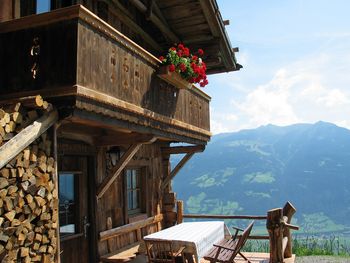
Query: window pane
(130, 201)
(128, 179)
(67, 197)
(135, 199)
(134, 179)
(42, 6)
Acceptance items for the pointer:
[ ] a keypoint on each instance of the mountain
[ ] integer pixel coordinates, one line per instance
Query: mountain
(252, 171)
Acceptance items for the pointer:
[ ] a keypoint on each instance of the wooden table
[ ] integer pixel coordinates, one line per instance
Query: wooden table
(197, 237)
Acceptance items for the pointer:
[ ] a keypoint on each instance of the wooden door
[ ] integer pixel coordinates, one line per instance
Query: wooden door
(75, 216)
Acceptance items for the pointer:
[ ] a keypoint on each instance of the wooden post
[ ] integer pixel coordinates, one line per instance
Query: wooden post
(55, 181)
(180, 211)
(288, 211)
(275, 229)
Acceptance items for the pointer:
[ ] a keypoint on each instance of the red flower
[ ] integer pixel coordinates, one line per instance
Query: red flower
(200, 52)
(181, 46)
(179, 53)
(194, 58)
(172, 68)
(161, 58)
(186, 52)
(172, 48)
(182, 67)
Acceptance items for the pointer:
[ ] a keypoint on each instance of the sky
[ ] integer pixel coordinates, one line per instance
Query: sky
(296, 64)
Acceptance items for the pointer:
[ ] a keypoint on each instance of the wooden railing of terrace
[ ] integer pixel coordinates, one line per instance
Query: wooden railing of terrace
(277, 223)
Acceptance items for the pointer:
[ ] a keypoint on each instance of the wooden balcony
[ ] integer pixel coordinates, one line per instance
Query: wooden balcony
(84, 66)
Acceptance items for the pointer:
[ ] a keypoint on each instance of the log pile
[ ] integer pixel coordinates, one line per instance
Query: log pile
(28, 197)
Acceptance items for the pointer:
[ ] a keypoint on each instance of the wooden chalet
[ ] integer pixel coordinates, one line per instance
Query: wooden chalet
(98, 121)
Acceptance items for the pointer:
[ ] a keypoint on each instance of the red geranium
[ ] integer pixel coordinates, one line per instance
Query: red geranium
(182, 67)
(172, 68)
(190, 67)
(181, 46)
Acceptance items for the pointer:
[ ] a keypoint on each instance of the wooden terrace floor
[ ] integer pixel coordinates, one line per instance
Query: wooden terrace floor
(254, 257)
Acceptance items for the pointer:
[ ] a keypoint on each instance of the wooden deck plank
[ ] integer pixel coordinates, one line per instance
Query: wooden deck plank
(255, 257)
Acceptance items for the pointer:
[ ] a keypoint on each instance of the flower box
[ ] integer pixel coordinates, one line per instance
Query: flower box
(173, 78)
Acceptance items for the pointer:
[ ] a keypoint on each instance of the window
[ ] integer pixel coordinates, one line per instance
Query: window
(43, 6)
(68, 202)
(133, 190)
(135, 198)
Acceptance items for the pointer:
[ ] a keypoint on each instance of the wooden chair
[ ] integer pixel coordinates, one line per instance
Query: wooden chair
(227, 249)
(163, 252)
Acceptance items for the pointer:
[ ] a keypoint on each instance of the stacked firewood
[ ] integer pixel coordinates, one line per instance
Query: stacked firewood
(28, 197)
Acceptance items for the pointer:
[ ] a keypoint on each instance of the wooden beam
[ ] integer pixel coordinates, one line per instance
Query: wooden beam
(226, 22)
(116, 171)
(114, 140)
(14, 146)
(183, 149)
(127, 156)
(177, 168)
(164, 28)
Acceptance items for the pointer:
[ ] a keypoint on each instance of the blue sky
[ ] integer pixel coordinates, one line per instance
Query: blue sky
(296, 59)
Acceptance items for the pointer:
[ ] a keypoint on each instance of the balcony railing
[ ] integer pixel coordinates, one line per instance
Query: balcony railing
(70, 52)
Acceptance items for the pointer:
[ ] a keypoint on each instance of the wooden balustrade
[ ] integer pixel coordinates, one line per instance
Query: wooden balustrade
(181, 216)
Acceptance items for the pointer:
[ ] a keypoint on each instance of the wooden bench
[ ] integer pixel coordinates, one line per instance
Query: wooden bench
(126, 253)
(226, 250)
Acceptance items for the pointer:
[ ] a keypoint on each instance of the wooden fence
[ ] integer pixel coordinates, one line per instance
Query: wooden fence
(277, 224)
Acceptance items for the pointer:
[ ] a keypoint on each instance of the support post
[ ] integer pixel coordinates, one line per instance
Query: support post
(180, 211)
(288, 211)
(275, 230)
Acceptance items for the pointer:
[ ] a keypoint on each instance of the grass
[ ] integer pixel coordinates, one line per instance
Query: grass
(307, 246)
(330, 246)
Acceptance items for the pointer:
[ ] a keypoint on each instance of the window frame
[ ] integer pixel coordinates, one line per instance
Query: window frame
(142, 208)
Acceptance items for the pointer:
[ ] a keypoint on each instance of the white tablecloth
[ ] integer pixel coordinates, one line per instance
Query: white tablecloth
(198, 237)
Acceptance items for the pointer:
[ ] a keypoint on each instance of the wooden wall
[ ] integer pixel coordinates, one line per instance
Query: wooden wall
(111, 205)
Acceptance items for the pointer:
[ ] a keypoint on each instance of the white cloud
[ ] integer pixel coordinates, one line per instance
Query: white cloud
(269, 103)
(221, 123)
(334, 98)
